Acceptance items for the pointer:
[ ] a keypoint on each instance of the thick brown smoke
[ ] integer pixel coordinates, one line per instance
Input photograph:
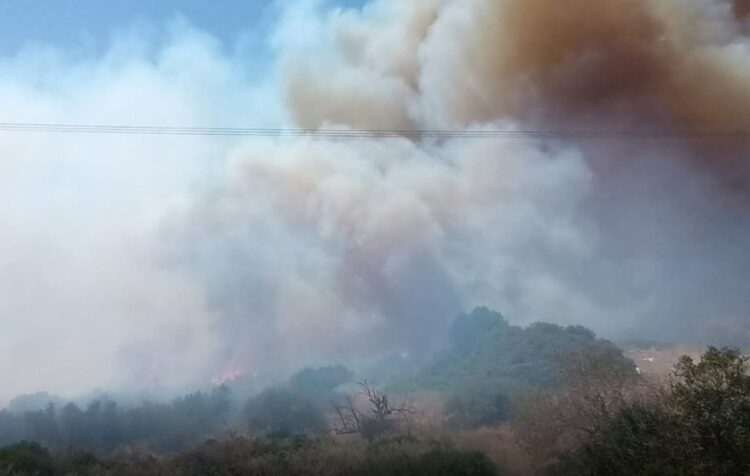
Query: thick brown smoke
(670, 66)
(634, 64)
(741, 9)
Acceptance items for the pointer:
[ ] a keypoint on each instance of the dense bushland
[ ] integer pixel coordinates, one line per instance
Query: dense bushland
(488, 364)
(497, 399)
(699, 424)
(239, 456)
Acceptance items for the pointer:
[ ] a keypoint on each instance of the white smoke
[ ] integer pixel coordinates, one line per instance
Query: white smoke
(85, 301)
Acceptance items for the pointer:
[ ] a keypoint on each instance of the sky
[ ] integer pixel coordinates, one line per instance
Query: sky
(87, 26)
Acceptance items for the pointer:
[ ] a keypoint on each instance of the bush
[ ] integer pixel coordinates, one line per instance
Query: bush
(323, 457)
(701, 425)
(280, 413)
(638, 439)
(475, 410)
(26, 458)
(80, 464)
(436, 462)
(487, 354)
(318, 384)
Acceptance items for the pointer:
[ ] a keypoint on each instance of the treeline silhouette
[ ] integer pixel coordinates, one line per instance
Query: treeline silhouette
(103, 425)
(542, 399)
(484, 369)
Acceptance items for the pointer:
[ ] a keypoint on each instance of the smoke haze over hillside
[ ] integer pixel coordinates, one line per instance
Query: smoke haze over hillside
(160, 261)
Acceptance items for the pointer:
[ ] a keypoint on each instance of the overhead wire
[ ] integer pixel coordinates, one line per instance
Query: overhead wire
(70, 128)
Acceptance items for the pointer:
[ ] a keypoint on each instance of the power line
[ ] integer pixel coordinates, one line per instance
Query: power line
(60, 128)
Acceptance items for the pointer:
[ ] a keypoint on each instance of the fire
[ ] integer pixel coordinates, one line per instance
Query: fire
(230, 372)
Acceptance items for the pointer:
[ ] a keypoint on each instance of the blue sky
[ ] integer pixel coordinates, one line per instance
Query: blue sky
(87, 25)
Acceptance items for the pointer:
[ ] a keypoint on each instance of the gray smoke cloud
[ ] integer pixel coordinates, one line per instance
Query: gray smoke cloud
(281, 252)
(334, 248)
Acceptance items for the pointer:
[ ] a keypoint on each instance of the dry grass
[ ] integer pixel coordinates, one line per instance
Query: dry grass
(660, 361)
(500, 444)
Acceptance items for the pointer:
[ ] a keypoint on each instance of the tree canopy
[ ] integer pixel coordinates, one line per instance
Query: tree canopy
(699, 425)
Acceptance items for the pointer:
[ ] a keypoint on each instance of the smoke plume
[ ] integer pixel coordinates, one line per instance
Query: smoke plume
(306, 250)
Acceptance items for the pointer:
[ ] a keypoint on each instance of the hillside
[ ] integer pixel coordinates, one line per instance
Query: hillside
(487, 354)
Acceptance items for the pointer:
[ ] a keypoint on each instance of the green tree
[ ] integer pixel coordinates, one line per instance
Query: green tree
(42, 426)
(72, 423)
(700, 425)
(475, 409)
(488, 355)
(279, 412)
(318, 384)
(713, 398)
(436, 462)
(26, 458)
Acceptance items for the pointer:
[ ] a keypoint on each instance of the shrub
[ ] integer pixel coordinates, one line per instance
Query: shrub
(479, 409)
(26, 458)
(280, 413)
(701, 425)
(436, 462)
(318, 384)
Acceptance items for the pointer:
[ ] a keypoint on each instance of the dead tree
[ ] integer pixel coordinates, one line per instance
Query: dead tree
(379, 418)
(349, 420)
